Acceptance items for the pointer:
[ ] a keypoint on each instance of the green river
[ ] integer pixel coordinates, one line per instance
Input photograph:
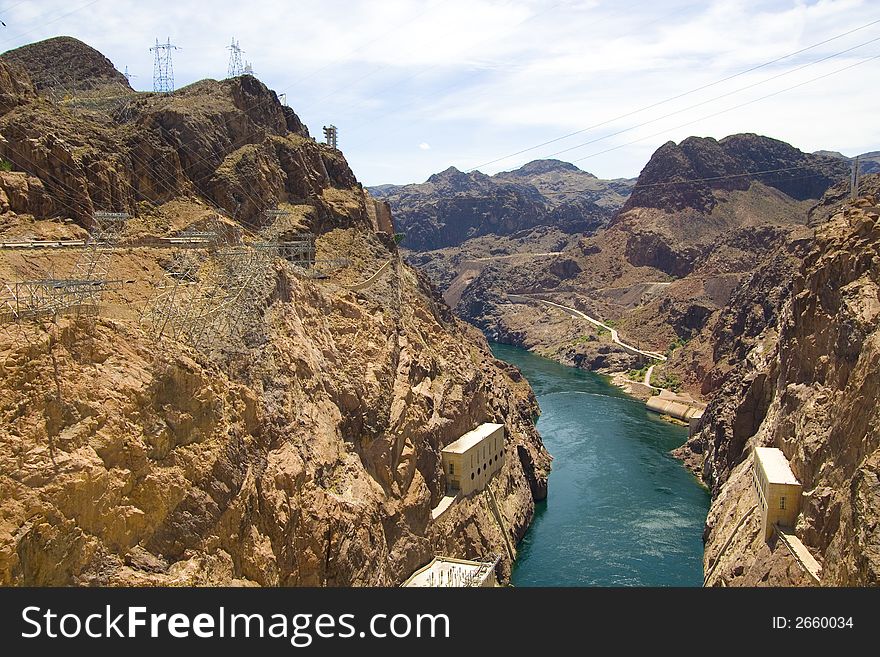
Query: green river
(620, 511)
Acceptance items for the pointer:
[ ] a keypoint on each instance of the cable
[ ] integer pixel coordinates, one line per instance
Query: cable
(729, 109)
(54, 20)
(676, 97)
(384, 90)
(398, 108)
(711, 100)
(690, 181)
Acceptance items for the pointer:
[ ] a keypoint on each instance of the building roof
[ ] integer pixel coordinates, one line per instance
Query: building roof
(473, 437)
(775, 466)
(446, 571)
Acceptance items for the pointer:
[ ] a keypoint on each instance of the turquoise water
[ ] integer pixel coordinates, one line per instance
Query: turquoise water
(620, 511)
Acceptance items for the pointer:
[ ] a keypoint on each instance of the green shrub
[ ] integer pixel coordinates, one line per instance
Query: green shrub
(5, 165)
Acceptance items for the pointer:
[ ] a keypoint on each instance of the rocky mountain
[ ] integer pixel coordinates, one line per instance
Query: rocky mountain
(666, 266)
(452, 206)
(293, 441)
(65, 64)
(806, 380)
(868, 162)
(685, 175)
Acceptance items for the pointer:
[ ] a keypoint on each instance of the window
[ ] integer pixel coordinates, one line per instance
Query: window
(479, 470)
(782, 502)
(452, 468)
(472, 476)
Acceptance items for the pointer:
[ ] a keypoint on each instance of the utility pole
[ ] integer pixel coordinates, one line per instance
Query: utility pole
(163, 69)
(128, 76)
(236, 68)
(855, 179)
(330, 135)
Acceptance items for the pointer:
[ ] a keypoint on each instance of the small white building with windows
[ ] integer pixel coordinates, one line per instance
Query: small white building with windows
(778, 490)
(470, 461)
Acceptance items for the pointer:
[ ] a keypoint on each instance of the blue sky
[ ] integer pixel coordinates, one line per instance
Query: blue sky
(415, 86)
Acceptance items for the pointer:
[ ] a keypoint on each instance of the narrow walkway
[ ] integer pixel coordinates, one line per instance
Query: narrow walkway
(443, 506)
(727, 543)
(800, 552)
(372, 279)
(515, 255)
(615, 336)
(493, 507)
(43, 244)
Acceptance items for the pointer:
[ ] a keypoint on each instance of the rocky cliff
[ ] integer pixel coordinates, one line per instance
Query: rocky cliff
(684, 175)
(806, 382)
(302, 449)
(452, 207)
(699, 223)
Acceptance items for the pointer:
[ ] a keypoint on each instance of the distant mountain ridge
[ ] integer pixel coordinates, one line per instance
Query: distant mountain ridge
(452, 206)
(687, 175)
(868, 162)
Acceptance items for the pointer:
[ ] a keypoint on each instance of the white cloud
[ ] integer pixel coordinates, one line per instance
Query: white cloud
(487, 78)
(425, 146)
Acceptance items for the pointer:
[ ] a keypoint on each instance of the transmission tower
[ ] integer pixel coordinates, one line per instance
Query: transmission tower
(128, 76)
(248, 68)
(163, 69)
(236, 68)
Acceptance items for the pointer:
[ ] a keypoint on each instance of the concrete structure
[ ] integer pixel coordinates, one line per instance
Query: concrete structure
(331, 135)
(778, 490)
(673, 408)
(446, 571)
(470, 461)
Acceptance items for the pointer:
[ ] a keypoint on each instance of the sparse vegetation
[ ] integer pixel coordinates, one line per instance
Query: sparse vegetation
(680, 342)
(639, 374)
(5, 165)
(663, 379)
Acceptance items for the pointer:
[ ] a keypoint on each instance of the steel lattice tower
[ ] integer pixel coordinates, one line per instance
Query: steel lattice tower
(163, 69)
(236, 67)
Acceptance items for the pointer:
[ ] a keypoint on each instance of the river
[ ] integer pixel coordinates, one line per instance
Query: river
(620, 510)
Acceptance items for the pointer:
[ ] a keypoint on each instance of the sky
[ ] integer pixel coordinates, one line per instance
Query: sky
(416, 86)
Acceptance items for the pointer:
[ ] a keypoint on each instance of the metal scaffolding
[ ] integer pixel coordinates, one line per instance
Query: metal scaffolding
(81, 291)
(205, 303)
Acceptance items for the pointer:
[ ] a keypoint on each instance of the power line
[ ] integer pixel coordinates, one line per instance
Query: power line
(690, 181)
(729, 109)
(677, 96)
(44, 24)
(711, 100)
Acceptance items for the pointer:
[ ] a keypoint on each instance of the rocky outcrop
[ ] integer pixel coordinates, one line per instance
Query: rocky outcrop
(302, 450)
(229, 141)
(65, 64)
(15, 86)
(808, 385)
(674, 275)
(685, 175)
(452, 207)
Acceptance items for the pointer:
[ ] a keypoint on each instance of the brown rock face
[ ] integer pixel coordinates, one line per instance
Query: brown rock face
(230, 141)
(812, 392)
(730, 164)
(65, 63)
(452, 206)
(15, 86)
(304, 450)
